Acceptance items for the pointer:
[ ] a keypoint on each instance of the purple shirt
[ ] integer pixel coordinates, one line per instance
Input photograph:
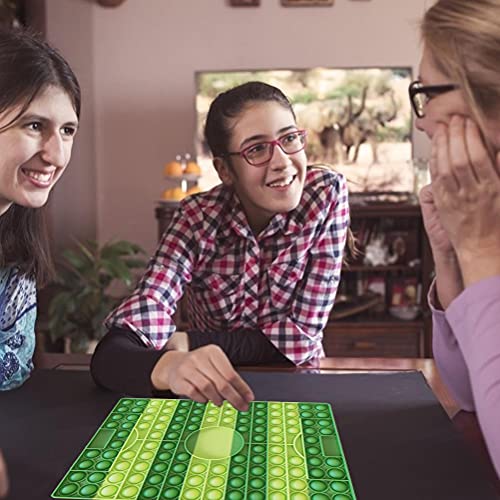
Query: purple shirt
(466, 343)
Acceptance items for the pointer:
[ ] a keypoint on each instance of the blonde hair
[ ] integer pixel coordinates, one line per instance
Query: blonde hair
(463, 37)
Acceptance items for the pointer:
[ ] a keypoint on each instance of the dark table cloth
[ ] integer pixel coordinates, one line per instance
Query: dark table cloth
(398, 441)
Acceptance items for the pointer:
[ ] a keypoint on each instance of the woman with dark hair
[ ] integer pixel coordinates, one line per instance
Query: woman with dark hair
(457, 103)
(261, 253)
(39, 110)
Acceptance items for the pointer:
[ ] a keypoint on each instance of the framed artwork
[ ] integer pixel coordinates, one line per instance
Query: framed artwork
(244, 3)
(358, 120)
(307, 3)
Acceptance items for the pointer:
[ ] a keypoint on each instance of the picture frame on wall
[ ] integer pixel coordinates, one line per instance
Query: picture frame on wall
(244, 3)
(307, 3)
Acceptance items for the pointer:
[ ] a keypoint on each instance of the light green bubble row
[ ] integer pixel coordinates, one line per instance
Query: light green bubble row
(208, 478)
(286, 467)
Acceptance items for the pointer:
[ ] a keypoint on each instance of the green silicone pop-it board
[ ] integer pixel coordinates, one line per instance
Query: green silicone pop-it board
(152, 449)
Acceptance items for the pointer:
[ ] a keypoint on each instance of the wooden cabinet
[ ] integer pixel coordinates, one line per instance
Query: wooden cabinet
(372, 340)
(374, 332)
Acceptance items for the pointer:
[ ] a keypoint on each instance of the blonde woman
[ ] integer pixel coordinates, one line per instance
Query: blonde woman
(457, 103)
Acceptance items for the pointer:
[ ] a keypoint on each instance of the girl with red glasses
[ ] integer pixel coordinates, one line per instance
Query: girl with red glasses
(259, 257)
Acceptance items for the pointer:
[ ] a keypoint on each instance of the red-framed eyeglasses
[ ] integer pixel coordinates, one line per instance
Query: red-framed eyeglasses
(262, 152)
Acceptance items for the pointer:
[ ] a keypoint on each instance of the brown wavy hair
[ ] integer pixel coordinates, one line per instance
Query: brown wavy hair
(28, 65)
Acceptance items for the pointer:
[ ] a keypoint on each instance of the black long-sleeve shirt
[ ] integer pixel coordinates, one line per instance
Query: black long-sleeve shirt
(124, 364)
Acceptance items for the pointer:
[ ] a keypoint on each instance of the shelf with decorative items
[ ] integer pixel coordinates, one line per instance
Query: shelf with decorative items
(181, 177)
(381, 308)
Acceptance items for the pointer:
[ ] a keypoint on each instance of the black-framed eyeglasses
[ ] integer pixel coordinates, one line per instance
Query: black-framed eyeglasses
(262, 152)
(420, 94)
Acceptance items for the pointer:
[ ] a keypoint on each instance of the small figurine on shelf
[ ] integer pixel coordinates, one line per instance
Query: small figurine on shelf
(182, 175)
(173, 194)
(377, 252)
(405, 298)
(193, 168)
(174, 168)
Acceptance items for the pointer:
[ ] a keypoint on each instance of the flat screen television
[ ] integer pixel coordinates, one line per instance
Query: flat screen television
(359, 120)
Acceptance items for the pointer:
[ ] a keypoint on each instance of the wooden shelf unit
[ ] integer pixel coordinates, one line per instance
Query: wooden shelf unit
(378, 334)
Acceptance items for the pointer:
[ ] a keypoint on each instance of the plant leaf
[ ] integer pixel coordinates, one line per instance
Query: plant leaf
(120, 248)
(74, 259)
(135, 263)
(82, 301)
(118, 270)
(89, 253)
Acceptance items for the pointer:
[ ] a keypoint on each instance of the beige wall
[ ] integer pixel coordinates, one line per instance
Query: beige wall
(73, 204)
(137, 63)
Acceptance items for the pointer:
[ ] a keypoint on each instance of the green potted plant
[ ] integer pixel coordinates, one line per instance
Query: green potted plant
(83, 298)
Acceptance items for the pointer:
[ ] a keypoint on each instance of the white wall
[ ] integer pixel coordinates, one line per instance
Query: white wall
(137, 65)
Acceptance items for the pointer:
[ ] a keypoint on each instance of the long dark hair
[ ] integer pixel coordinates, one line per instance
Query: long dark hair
(28, 65)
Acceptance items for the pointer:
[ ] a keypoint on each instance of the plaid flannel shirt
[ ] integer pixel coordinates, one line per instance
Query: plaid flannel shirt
(282, 281)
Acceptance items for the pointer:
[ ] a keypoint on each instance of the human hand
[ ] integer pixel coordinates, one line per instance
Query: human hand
(202, 375)
(466, 192)
(449, 282)
(179, 341)
(438, 237)
(4, 480)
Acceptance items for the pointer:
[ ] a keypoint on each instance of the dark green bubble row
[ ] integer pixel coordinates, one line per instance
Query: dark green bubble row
(314, 410)
(326, 468)
(247, 469)
(257, 452)
(258, 430)
(89, 470)
(330, 488)
(79, 484)
(328, 476)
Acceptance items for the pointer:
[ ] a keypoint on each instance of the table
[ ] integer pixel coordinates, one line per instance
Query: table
(398, 439)
(327, 365)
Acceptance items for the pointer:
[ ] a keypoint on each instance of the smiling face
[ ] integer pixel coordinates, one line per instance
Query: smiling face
(271, 188)
(36, 149)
